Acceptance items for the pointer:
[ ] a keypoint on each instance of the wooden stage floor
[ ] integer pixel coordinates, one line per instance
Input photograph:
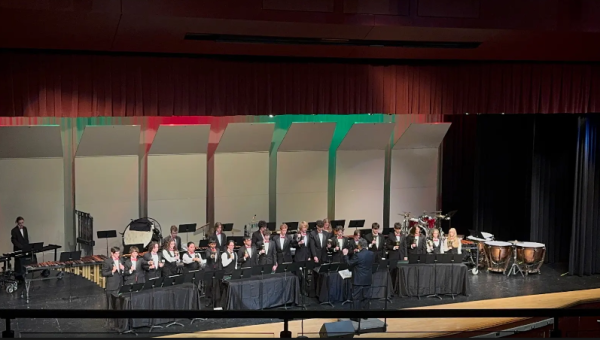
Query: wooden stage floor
(418, 328)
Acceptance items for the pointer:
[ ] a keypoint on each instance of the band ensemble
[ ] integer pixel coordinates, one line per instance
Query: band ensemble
(264, 247)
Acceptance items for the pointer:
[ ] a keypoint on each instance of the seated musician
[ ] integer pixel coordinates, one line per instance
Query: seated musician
(258, 236)
(283, 245)
(339, 243)
(434, 246)
(267, 253)
(376, 242)
(219, 236)
(153, 262)
(192, 260)
(20, 239)
(177, 239)
(396, 245)
(134, 273)
(247, 254)
(453, 243)
(171, 257)
(112, 270)
(415, 242)
(301, 244)
(353, 243)
(213, 263)
(229, 258)
(318, 243)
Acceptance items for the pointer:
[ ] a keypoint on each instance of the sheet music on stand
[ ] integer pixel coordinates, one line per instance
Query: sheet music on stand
(345, 274)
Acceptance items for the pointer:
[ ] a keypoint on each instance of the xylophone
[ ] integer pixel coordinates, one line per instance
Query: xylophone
(90, 267)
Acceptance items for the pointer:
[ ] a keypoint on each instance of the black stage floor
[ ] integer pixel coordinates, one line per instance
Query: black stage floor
(50, 294)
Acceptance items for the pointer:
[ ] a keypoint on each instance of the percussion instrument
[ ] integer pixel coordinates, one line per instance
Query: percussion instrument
(487, 236)
(428, 221)
(413, 222)
(530, 256)
(498, 255)
(142, 231)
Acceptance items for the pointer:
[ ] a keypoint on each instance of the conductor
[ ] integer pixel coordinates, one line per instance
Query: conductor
(361, 265)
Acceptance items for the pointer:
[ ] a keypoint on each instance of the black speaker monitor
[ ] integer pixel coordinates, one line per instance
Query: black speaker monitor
(340, 329)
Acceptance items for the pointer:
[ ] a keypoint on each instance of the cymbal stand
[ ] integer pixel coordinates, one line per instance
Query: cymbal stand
(515, 266)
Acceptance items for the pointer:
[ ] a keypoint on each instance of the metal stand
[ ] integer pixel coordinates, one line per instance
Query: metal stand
(152, 326)
(435, 295)
(303, 277)
(286, 286)
(386, 278)
(452, 278)
(515, 267)
(349, 300)
(328, 302)
(71, 297)
(130, 330)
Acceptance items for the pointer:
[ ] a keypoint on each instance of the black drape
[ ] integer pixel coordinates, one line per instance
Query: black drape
(584, 251)
(512, 176)
(553, 171)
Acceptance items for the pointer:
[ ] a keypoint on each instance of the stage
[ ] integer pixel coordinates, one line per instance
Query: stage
(488, 290)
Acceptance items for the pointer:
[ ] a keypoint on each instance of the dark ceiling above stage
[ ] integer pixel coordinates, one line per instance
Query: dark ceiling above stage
(506, 29)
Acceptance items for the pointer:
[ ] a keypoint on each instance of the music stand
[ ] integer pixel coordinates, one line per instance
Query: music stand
(186, 229)
(386, 264)
(452, 259)
(416, 259)
(151, 284)
(336, 223)
(228, 227)
(66, 257)
(106, 234)
(193, 277)
(326, 268)
(271, 226)
(169, 282)
(304, 267)
(429, 259)
(285, 267)
(292, 226)
(129, 289)
(356, 224)
(217, 277)
(312, 226)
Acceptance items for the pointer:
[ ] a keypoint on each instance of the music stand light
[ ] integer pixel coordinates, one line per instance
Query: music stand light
(106, 234)
(185, 229)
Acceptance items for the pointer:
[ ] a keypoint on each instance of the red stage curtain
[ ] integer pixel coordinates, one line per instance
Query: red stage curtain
(76, 85)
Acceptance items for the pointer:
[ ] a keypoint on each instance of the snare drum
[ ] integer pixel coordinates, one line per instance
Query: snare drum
(498, 255)
(530, 256)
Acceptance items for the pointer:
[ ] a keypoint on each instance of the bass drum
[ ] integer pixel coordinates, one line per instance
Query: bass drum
(141, 232)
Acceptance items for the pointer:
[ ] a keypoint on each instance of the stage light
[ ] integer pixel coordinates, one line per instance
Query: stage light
(466, 113)
(270, 116)
(502, 112)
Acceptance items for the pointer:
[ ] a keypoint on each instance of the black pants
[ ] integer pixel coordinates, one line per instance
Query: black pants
(361, 295)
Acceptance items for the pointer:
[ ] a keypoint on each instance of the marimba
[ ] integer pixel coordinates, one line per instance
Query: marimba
(89, 267)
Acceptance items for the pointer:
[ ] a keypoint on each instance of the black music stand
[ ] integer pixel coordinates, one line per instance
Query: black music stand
(285, 268)
(217, 277)
(386, 264)
(151, 284)
(336, 223)
(106, 234)
(70, 256)
(292, 226)
(228, 227)
(169, 282)
(305, 267)
(416, 259)
(193, 277)
(271, 227)
(186, 229)
(356, 224)
(239, 274)
(451, 258)
(429, 259)
(129, 289)
(327, 268)
(312, 226)
(260, 270)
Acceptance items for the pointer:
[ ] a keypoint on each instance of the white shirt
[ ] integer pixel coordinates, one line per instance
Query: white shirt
(305, 238)
(321, 238)
(169, 256)
(377, 241)
(22, 232)
(155, 260)
(249, 251)
(225, 260)
(187, 258)
(281, 241)
(133, 265)
(398, 238)
(117, 263)
(341, 242)
(266, 247)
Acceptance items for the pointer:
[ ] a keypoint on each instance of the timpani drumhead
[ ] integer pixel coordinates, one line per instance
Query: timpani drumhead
(530, 245)
(498, 244)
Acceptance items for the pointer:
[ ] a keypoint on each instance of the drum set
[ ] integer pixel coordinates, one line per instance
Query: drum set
(526, 257)
(427, 221)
